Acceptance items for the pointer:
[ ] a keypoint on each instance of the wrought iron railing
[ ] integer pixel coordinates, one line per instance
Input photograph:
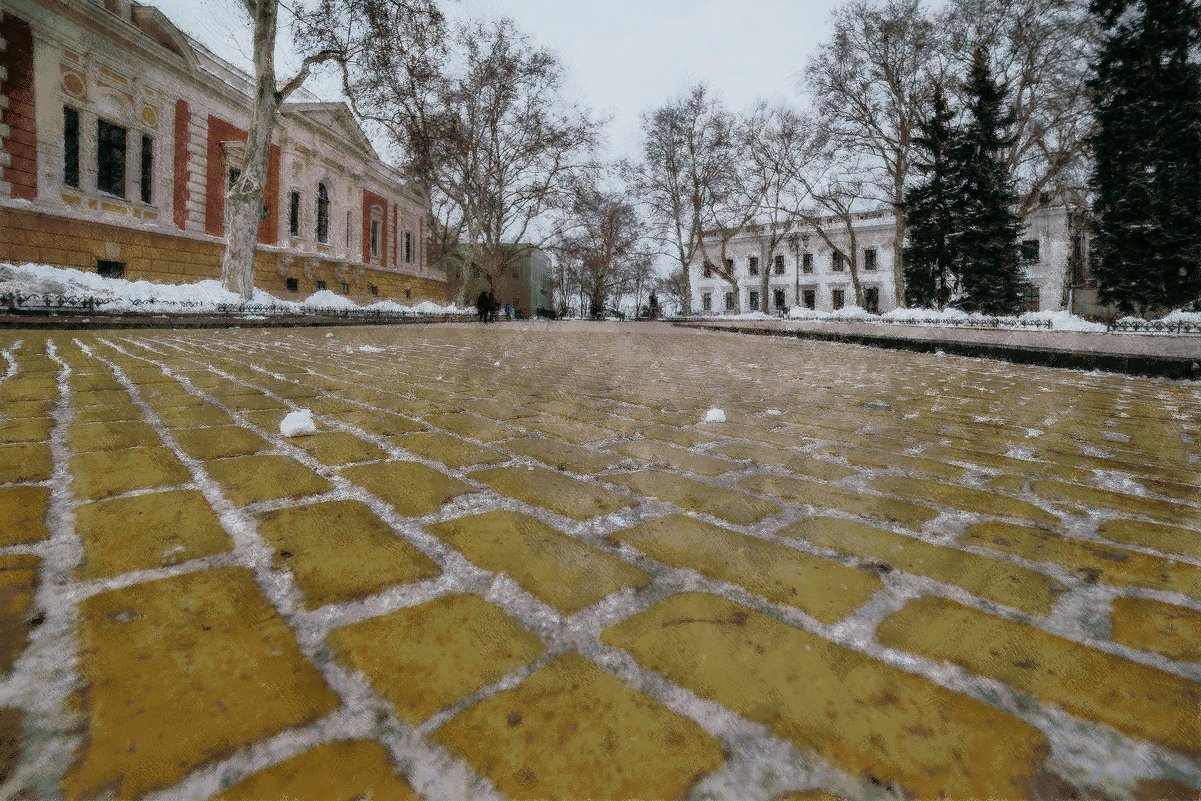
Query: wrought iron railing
(1119, 326)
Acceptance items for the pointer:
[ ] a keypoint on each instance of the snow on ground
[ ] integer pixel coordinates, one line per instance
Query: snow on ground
(298, 423)
(121, 295)
(715, 416)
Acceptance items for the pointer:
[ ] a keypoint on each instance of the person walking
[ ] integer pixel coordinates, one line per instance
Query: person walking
(481, 306)
(493, 305)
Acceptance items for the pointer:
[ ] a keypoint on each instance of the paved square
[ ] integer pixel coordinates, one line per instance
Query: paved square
(515, 563)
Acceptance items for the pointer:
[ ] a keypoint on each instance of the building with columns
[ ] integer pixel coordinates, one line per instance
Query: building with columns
(805, 271)
(119, 135)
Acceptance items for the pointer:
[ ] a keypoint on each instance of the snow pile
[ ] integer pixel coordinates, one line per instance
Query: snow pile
(1063, 321)
(715, 416)
(298, 424)
(917, 315)
(755, 315)
(845, 313)
(325, 299)
(370, 349)
(1181, 316)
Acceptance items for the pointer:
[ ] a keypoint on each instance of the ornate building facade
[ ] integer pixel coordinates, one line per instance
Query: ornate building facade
(806, 271)
(119, 135)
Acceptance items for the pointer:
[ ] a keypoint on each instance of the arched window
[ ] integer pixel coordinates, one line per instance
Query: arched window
(322, 213)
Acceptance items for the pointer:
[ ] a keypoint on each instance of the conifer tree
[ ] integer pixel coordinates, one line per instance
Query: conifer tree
(990, 277)
(932, 255)
(1146, 88)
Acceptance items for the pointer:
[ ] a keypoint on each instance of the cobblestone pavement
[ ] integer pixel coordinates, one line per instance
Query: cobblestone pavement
(515, 563)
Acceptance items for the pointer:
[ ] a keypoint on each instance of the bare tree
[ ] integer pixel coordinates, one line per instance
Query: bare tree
(601, 235)
(872, 82)
(1039, 52)
(244, 199)
(692, 180)
(674, 288)
(479, 114)
(838, 191)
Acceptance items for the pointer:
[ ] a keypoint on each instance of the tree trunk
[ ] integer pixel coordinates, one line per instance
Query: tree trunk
(244, 198)
(898, 256)
(686, 291)
(765, 268)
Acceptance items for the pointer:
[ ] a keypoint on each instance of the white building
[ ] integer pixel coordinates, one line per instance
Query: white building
(805, 271)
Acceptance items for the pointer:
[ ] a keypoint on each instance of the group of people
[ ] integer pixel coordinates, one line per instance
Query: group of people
(487, 307)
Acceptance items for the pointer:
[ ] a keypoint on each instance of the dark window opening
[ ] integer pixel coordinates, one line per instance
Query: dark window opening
(293, 284)
(375, 238)
(707, 270)
(778, 298)
(838, 298)
(147, 169)
(871, 299)
(110, 158)
(234, 175)
(111, 269)
(810, 298)
(1029, 297)
(730, 266)
(348, 228)
(372, 289)
(322, 213)
(779, 264)
(320, 285)
(869, 259)
(294, 214)
(345, 288)
(707, 302)
(1030, 251)
(408, 294)
(731, 301)
(408, 247)
(807, 263)
(836, 261)
(753, 264)
(753, 300)
(70, 147)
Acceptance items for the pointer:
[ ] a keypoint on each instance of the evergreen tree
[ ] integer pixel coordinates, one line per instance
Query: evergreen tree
(1146, 88)
(932, 255)
(990, 276)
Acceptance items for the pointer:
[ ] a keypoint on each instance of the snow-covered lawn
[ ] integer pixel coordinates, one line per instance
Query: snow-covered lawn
(120, 295)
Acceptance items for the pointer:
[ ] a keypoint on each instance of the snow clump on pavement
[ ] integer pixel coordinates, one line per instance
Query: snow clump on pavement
(715, 416)
(298, 424)
(370, 349)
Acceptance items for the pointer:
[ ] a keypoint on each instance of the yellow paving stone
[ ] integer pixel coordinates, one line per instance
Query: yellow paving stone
(471, 426)
(193, 415)
(797, 490)
(685, 437)
(24, 462)
(573, 730)
(147, 531)
(565, 457)
(674, 456)
(697, 496)
(412, 488)
(339, 551)
(993, 579)
(1007, 483)
(450, 451)
(267, 419)
(884, 460)
(23, 410)
(1008, 464)
(249, 479)
(1169, 539)
(551, 490)
(424, 658)
(106, 397)
(181, 672)
(864, 716)
(333, 406)
(27, 429)
(1164, 511)
(566, 573)
(572, 431)
(107, 412)
(1150, 625)
(251, 402)
(346, 770)
(111, 436)
(822, 469)
(23, 515)
(1109, 564)
(337, 448)
(104, 473)
(1133, 698)
(20, 388)
(18, 583)
(11, 735)
(825, 589)
(965, 498)
(220, 442)
(87, 382)
(385, 424)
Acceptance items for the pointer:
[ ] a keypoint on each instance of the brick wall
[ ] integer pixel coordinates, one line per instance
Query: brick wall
(18, 128)
(27, 236)
(215, 182)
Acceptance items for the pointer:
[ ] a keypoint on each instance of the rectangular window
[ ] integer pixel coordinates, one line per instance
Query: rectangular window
(1029, 297)
(871, 299)
(810, 298)
(293, 284)
(807, 263)
(373, 290)
(320, 285)
(147, 169)
(345, 288)
(234, 175)
(779, 264)
(838, 297)
(375, 238)
(779, 300)
(294, 213)
(70, 147)
(707, 270)
(869, 259)
(348, 228)
(1030, 251)
(110, 158)
(707, 302)
(753, 263)
(408, 247)
(730, 266)
(111, 269)
(836, 261)
(731, 301)
(753, 298)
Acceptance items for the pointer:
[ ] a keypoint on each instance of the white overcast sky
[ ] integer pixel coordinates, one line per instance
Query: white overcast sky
(622, 57)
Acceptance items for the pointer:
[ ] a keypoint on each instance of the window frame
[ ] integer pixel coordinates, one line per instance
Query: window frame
(838, 299)
(294, 213)
(731, 301)
(146, 177)
(323, 209)
(408, 245)
(1037, 250)
(778, 264)
(752, 265)
(870, 260)
(706, 301)
(105, 165)
(807, 263)
(71, 132)
(752, 300)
